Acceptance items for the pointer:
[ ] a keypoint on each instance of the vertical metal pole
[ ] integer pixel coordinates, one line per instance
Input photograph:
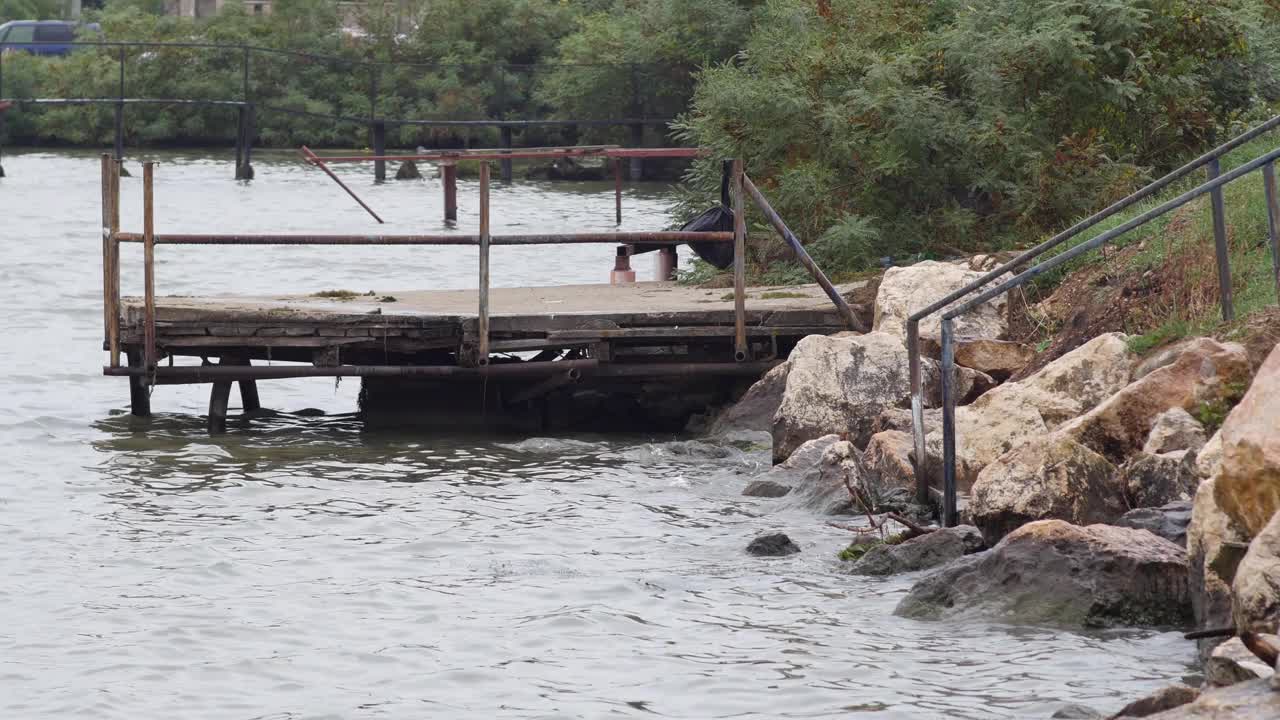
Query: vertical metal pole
(1220, 244)
(949, 515)
(149, 266)
(219, 397)
(139, 394)
(505, 165)
(114, 339)
(244, 77)
(637, 164)
(251, 131)
(379, 149)
(119, 119)
(617, 190)
(483, 322)
(241, 119)
(1273, 221)
(917, 410)
(106, 248)
(739, 266)
(449, 178)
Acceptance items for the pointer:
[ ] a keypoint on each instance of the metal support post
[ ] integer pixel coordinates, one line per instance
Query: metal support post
(483, 329)
(1220, 243)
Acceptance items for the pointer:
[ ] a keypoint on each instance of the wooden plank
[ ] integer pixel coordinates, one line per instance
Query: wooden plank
(149, 263)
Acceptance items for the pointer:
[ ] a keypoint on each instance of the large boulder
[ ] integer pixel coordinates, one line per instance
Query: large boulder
(888, 455)
(842, 384)
(1174, 430)
(1256, 585)
(815, 476)
(1253, 700)
(1209, 458)
(998, 358)
(1213, 542)
(1048, 477)
(1169, 521)
(1154, 480)
(1165, 698)
(1203, 372)
(1003, 418)
(754, 411)
(1249, 479)
(1053, 572)
(920, 553)
(904, 290)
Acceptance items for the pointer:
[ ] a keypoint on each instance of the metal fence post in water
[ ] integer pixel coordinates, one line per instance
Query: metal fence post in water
(739, 266)
(949, 515)
(1220, 243)
(1273, 221)
(149, 265)
(483, 321)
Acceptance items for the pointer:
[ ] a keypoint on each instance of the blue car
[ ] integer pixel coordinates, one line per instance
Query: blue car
(41, 37)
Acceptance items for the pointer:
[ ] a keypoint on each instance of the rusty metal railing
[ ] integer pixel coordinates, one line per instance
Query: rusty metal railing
(150, 373)
(1265, 163)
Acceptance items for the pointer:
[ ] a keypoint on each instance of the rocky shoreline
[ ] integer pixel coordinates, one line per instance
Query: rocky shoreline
(1103, 489)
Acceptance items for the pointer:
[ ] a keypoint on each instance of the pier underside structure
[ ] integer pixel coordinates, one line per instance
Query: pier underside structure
(586, 357)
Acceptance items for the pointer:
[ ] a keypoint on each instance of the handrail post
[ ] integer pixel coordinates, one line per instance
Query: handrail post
(1220, 243)
(917, 410)
(482, 330)
(113, 340)
(1273, 221)
(949, 515)
(149, 267)
(740, 350)
(119, 116)
(106, 248)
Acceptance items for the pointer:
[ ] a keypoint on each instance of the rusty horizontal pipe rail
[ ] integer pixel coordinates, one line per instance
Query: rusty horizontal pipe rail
(620, 238)
(222, 373)
(519, 154)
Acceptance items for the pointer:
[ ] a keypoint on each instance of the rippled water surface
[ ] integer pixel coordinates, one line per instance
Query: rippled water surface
(302, 567)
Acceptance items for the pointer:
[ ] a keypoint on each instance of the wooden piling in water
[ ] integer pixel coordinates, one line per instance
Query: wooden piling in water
(449, 178)
(139, 393)
(219, 397)
(379, 149)
(483, 318)
(149, 265)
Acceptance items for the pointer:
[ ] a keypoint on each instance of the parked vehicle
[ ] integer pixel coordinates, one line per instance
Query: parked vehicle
(43, 37)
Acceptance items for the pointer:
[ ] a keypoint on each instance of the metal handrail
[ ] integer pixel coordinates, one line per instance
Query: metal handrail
(1213, 187)
(1211, 159)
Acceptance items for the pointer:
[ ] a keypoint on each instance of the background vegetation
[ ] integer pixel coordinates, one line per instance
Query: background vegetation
(898, 128)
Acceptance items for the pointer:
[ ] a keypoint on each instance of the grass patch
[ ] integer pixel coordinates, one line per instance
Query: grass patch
(1212, 413)
(1173, 329)
(780, 295)
(387, 299)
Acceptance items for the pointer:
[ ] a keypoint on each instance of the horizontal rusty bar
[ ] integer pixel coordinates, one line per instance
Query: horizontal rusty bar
(521, 154)
(223, 373)
(620, 238)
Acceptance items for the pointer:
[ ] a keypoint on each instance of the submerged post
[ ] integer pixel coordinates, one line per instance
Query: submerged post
(505, 165)
(739, 266)
(379, 150)
(483, 320)
(449, 178)
(949, 514)
(617, 190)
(1273, 221)
(149, 267)
(1220, 243)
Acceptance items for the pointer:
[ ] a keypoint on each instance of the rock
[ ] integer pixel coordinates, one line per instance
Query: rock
(1048, 477)
(1256, 585)
(888, 455)
(904, 290)
(814, 475)
(757, 406)
(1253, 700)
(861, 298)
(1212, 538)
(1007, 416)
(1057, 573)
(408, 170)
(998, 358)
(777, 545)
(766, 489)
(920, 553)
(1167, 521)
(842, 384)
(1232, 662)
(1155, 480)
(1159, 701)
(1210, 456)
(1201, 373)
(1248, 484)
(1174, 429)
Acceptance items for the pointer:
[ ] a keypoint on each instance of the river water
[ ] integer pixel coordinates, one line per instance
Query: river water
(304, 567)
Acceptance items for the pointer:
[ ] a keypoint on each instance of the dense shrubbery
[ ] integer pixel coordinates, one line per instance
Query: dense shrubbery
(938, 127)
